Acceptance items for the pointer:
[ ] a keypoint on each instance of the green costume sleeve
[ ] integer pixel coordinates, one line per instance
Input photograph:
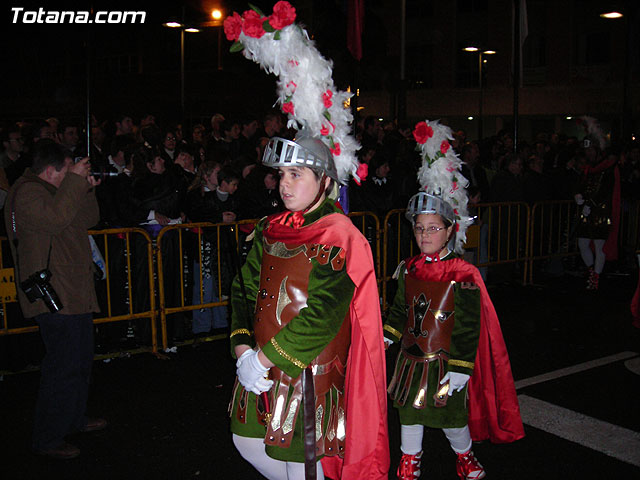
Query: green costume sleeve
(466, 330)
(397, 318)
(305, 336)
(242, 307)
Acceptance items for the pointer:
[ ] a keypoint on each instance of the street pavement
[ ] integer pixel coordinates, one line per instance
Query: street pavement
(574, 355)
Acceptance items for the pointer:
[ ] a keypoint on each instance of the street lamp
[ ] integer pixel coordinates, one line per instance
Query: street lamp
(614, 14)
(217, 15)
(183, 29)
(481, 61)
(611, 15)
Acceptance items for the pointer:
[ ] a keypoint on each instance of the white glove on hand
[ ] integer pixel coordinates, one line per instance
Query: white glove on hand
(251, 373)
(586, 210)
(456, 380)
(387, 342)
(579, 199)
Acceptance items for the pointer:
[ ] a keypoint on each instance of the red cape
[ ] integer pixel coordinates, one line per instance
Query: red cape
(366, 454)
(494, 413)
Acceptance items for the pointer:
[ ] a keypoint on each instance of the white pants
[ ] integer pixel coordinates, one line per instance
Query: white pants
(587, 254)
(411, 438)
(253, 451)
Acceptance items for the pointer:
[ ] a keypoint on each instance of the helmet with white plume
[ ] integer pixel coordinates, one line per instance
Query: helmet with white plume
(441, 183)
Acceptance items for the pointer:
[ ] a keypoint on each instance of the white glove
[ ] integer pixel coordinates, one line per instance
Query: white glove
(387, 342)
(579, 199)
(586, 210)
(456, 380)
(251, 373)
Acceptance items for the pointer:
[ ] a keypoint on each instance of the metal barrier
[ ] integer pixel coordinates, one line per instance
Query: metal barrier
(139, 302)
(506, 233)
(553, 231)
(189, 233)
(109, 241)
(493, 245)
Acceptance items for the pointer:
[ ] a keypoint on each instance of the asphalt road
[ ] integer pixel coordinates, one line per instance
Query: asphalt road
(168, 420)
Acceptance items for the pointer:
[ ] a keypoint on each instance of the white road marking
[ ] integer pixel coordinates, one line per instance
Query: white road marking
(633, 365)
(612, 440)
(581, 367)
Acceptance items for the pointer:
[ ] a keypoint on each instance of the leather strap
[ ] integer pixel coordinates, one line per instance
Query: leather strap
(309, 399)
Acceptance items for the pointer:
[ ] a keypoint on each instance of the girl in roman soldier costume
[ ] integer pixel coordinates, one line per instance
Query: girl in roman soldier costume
(310, 396)
(453, 370)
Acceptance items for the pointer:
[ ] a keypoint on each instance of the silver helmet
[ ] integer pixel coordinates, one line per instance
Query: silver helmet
(303, 151)
(426, 203)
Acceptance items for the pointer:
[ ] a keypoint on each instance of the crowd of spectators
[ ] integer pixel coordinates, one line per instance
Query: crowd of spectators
(156, 174)
(161, 163)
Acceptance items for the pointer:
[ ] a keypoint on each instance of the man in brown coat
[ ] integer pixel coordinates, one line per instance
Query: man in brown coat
(47, 214)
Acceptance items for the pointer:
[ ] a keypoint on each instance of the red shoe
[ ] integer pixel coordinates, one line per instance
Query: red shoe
(593, 281)
(64, 451)
(94, 424)
(409, 468)
(468, 467)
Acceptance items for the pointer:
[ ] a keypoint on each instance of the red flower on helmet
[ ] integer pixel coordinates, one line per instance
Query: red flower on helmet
(336, 150)
(283, 14)
(324, 131)
(252, 26)
(422, 132)
(326, 98)
(444, 146)
(233, 27)
(287, 107)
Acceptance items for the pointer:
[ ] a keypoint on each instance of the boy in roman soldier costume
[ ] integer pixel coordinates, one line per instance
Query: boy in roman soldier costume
(446, 325)
(306, 326)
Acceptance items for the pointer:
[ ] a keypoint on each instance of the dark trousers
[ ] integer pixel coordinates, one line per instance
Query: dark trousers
(64, 377)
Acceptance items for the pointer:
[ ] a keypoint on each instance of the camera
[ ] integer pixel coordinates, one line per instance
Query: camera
(100, 172)
(37, 286)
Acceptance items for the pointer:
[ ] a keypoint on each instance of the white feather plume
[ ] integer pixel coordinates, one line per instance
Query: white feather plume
(440, 175)
(304, 76)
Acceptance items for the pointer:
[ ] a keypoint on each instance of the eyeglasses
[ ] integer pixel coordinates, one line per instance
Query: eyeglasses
(427, 231)
(19, 139)
(171, 139)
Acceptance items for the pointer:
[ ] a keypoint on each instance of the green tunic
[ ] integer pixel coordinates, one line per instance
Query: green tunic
(463, 347)
(300, 341)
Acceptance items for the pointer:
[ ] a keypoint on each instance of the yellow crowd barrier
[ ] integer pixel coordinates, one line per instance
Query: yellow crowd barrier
(109, 241)
(195, 235)
(504, 233)
(500, 236)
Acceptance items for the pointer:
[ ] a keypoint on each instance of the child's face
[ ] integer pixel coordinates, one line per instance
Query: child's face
(298, 187)
(229, 187)
(431, 241)
(157, 166)
(211, 180)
